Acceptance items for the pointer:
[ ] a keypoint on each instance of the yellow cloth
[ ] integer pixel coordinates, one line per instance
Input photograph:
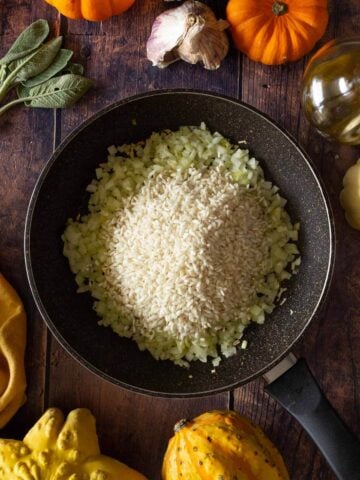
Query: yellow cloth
(12, 351)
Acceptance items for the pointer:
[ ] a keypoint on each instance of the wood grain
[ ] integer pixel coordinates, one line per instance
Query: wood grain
(133, 427)
(23, 152)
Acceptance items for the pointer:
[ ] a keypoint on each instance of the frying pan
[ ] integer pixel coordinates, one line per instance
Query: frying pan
(60, 194)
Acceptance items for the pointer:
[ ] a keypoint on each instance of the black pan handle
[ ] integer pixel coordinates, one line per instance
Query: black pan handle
(298, 392)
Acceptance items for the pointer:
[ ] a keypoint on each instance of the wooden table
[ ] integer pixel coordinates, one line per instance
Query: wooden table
(132, 427)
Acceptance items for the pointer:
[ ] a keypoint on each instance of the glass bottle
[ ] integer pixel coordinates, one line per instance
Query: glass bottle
(331, 90)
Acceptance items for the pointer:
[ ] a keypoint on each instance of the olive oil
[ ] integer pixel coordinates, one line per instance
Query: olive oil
(331, 90)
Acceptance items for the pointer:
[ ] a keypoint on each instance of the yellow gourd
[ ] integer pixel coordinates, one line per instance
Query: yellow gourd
(54, 450)
(12, 351)
(350, 195)
(221, 445)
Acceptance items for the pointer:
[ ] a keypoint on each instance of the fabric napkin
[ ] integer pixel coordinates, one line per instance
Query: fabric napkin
(12, 351)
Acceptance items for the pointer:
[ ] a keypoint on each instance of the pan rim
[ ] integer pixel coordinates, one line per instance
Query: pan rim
(37, 298)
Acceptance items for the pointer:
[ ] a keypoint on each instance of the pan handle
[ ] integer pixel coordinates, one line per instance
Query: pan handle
(298, 392)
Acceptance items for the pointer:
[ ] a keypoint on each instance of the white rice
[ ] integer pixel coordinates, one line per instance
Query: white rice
(184, 245)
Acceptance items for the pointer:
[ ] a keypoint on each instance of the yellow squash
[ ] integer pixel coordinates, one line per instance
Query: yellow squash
(12, 351)
(350, 195)
(54, 450)
(221, 445)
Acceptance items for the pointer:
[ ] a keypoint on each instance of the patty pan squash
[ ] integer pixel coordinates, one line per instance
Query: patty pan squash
(350, 195)
(58, 450)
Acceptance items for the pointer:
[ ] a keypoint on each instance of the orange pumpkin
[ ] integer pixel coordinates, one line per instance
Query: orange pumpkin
(274, 32)
(93, 10)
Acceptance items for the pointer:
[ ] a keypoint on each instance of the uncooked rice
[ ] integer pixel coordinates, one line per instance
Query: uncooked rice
(184, 245)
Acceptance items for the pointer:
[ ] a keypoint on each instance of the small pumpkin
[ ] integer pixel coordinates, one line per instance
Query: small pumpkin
(93, 10)
(274, 32)
(60, 450)
(221, 445)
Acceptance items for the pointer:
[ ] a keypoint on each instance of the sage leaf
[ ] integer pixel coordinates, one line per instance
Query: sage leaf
(28, 41)
(2, 73)
(36, 62)
(58, 92)
(61, 60)
(75, 68)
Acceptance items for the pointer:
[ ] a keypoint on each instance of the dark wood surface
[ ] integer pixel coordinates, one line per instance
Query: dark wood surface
(132, 427)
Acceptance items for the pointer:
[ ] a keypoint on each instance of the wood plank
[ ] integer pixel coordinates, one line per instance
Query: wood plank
(135, 22)
(276, 91)
(132, 427)
(119, 66)
(26, 141)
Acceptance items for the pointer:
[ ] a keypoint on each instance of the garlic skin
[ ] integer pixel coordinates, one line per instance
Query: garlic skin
(190, 32)
(168, 31)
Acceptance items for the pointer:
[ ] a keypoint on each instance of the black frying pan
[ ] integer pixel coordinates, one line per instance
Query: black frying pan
(60, 194)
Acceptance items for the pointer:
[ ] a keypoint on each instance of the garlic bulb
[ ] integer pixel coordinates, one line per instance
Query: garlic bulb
(190, 32)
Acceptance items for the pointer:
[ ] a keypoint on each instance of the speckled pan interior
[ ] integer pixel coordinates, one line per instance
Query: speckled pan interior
(60, 194)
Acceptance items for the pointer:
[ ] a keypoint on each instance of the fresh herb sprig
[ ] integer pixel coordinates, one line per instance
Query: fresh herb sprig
(41, 73)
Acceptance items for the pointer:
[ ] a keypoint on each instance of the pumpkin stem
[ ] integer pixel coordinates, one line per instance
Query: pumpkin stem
(279, 8)
(180, 424)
